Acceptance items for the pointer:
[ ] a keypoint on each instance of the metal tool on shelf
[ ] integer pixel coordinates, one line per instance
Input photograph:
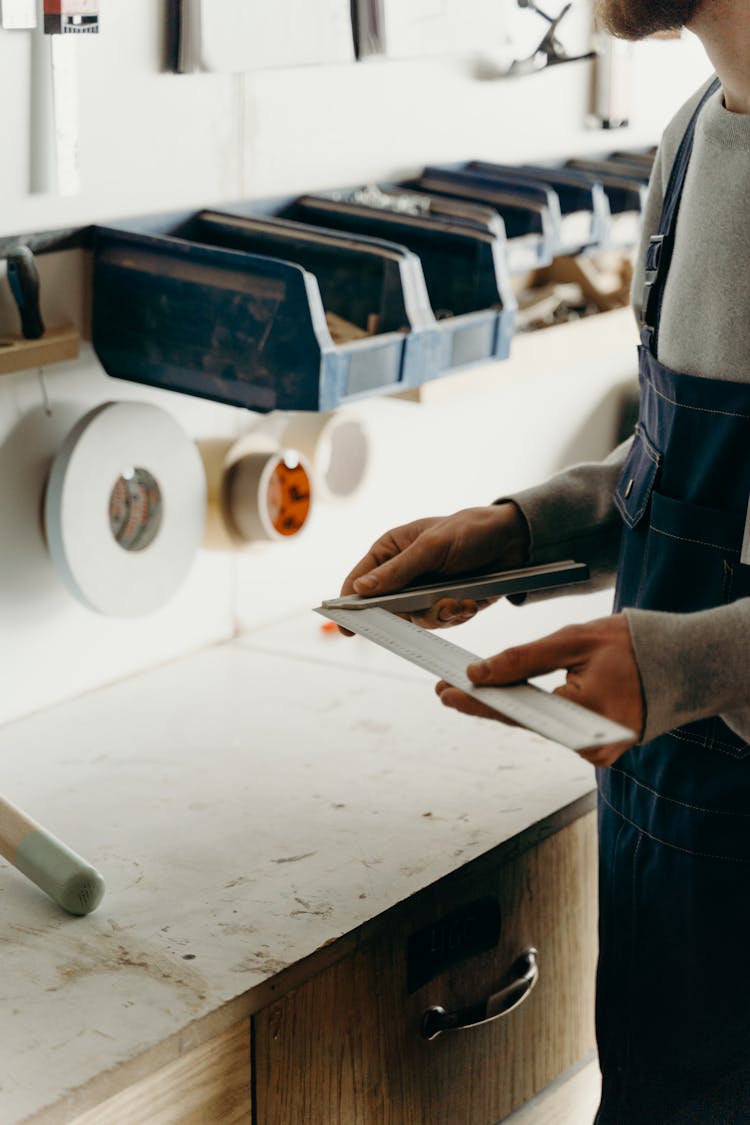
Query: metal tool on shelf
(23, 278)
(549, 52)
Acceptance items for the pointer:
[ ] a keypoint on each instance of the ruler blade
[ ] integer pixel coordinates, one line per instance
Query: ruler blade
(540, 711)
(500, 584)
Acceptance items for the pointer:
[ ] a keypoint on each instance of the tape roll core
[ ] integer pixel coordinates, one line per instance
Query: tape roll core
(267, 496)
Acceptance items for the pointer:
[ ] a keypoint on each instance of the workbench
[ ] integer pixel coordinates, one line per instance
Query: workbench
(280, 821)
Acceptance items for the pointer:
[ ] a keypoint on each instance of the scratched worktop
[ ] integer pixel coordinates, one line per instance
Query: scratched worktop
(246, 807)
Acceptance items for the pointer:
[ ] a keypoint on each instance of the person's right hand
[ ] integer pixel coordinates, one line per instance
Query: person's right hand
(473, 540)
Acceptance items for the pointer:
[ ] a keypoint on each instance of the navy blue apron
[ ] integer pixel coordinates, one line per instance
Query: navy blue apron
(673, 999)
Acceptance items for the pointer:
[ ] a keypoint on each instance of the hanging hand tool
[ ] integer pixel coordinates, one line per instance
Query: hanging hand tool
(23, 277)
(550, 51)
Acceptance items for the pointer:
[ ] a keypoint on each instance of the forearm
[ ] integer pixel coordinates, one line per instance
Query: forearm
(693, 665)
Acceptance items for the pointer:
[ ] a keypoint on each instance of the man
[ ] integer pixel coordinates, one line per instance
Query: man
(667, 512)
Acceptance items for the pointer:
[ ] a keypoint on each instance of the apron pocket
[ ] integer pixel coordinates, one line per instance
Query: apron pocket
(693, 560)
(692, 556)
(633, 491)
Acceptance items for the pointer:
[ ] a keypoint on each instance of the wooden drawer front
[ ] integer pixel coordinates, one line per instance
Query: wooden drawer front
(210, 1085)
(346, 1049)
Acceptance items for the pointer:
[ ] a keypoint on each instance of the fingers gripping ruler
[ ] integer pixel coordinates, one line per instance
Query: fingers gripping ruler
(529, 706)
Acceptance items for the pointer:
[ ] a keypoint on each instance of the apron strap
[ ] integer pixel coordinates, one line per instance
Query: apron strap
(661, 246)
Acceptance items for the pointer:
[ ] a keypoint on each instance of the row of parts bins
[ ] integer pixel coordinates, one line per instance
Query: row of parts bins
(309, 302)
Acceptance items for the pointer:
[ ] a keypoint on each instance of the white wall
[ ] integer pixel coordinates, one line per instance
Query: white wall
(152, 141)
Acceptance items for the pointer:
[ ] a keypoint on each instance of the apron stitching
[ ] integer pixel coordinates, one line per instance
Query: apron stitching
(673, 800)
(729, 750)
(667, 844)
(627, 1060)
(646, 447)
(726, 589)
(701, 409)
(613, 857)
(644, 570)
(631, 519)
(700, 542)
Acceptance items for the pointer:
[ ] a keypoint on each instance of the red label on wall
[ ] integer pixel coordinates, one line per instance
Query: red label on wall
(71, 7)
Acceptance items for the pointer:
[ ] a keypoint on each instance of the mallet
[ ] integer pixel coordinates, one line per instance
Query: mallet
(67, 878)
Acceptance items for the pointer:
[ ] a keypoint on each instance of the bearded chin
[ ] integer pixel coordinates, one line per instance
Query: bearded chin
(636, 19)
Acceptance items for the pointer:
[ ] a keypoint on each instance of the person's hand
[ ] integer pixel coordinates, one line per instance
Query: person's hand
(492, 538)
(602, 675)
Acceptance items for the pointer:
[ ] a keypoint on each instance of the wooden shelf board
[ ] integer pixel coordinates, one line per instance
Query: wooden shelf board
(56, 345)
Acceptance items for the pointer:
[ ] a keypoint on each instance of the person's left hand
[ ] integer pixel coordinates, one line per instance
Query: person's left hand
(602, 675)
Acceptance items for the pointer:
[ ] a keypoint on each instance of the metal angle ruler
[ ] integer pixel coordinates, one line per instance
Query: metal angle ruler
(501, 584)
(549, 715)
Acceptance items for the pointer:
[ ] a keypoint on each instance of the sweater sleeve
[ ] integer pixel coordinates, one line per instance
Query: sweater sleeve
(693, 666)
(572, 516)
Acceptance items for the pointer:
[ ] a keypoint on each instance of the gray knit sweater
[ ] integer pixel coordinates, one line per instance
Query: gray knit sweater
(695, 664)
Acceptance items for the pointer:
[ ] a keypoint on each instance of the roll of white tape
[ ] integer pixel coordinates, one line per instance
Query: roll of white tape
(125, 508)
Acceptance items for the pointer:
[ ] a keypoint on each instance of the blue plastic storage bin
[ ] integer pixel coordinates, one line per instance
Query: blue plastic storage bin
(235, 311)
(584, 207)
(530, 211)
(462, 250)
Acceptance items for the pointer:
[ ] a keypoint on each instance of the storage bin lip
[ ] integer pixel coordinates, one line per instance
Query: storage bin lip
(426, 221)
(162, 228)
(534, 173)
(612, 181)
(382, 247)
(615, 170)
(370, 343)
(546, 194)
(196, 250)
(503, 194)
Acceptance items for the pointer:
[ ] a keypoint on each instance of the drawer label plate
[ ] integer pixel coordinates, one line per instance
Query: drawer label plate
(452, 939)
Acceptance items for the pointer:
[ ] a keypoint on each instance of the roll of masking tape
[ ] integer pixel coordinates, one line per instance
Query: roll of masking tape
(125, 508)
(256, 492)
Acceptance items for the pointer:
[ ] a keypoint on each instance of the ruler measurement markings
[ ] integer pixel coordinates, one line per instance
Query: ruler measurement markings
(543, 712)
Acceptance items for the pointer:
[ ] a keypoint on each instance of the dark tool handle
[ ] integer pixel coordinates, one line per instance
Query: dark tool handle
(524, 974)
(24, 284)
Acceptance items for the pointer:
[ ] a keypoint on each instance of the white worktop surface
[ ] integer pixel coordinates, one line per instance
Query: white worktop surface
(245, 807)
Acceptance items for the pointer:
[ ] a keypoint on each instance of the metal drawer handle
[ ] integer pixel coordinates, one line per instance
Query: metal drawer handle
(524, 974)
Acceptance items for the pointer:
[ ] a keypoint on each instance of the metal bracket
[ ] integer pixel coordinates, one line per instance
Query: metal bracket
(550, 51)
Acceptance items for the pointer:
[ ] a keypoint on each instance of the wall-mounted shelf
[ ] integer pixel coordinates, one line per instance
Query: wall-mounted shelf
(56, 345)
